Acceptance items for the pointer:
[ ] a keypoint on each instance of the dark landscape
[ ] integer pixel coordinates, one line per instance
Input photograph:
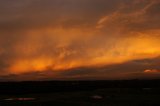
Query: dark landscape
(81, 93)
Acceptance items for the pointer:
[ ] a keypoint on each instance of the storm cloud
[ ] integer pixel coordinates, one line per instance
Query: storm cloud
(60, 35)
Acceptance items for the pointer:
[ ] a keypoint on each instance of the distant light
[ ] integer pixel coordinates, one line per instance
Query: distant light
(19, 99)
(97, 97)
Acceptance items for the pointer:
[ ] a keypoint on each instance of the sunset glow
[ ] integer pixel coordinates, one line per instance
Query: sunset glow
(61, 36)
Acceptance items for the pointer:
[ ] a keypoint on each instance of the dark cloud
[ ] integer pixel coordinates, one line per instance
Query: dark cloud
(133, 16)
(38, 13)
(136, 15)
(128, 70)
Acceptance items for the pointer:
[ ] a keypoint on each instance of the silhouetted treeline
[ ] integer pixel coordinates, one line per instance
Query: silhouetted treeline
(69, 86)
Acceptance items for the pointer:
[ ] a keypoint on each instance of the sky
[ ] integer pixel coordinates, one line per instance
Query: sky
(79, 39)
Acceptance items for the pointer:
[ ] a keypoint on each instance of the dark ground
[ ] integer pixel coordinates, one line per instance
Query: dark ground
(81, 93)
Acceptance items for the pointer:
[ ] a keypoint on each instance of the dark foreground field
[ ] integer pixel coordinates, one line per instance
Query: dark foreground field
(81, 93)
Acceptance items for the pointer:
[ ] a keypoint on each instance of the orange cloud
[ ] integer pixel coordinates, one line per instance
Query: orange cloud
(58, 36)
(151, 71)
